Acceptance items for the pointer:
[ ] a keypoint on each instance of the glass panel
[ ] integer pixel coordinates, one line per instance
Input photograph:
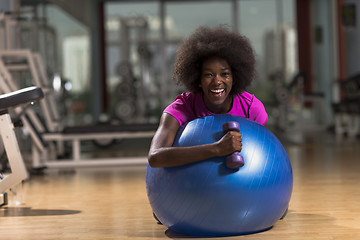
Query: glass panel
(132, 59)
(184, 17)
(270, 26)
(138, 85)
(64, 44)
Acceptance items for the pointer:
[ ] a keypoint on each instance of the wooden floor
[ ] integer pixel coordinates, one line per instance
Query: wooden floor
(112, 203)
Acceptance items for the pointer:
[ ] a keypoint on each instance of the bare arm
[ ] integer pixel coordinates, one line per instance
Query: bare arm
(162, 154)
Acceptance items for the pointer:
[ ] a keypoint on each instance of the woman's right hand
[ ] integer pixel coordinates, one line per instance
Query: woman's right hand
(229, 143)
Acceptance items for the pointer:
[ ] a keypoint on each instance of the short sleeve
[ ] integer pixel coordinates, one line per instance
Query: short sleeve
(257, 112)
(181, 108)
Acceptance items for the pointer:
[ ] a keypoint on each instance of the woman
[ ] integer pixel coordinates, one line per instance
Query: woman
(215, 66)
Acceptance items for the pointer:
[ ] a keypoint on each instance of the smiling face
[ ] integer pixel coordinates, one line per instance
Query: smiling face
(216, 82)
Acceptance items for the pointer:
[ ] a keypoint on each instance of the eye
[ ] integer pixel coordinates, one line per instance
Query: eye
(226, 74)
(207, 75)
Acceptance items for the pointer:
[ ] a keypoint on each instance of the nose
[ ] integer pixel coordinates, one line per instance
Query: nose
(217, 79)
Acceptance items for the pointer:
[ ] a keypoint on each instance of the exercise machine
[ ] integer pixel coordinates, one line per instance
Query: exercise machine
(48, 136)
(18, 170)
(294, 104)
(347, 107)
(48, 133)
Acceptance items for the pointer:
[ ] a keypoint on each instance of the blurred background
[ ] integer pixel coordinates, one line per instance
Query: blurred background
(112, 61)
(105, 67)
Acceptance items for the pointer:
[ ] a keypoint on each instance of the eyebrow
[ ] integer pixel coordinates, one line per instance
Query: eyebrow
(209, 69)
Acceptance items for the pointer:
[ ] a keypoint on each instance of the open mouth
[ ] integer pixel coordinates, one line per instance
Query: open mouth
(217, 92)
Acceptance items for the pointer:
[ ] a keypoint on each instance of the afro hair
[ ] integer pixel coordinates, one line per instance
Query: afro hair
(219, 42)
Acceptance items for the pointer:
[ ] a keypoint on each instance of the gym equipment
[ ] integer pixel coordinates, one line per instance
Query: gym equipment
(293, 111)
(207, 198)
(17, 167)
(235, 160)
(46, 129)
(347, 107)
(48, 136)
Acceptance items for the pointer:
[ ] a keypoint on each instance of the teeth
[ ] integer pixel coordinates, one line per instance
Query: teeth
(217, 90)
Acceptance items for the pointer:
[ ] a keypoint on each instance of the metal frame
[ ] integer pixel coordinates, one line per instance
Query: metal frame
(45, 155)
(32, 63)
(78, 161)
(18, 170)
(7, 133)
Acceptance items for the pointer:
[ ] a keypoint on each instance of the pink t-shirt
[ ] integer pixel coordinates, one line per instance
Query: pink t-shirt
(188, 106)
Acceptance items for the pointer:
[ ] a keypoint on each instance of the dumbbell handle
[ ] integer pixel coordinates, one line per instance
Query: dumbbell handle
(235, 160)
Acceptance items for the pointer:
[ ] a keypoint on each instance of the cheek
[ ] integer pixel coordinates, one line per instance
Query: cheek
(230, 82)
(232, 79)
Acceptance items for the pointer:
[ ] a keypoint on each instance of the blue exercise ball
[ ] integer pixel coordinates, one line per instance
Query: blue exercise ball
(207, 198)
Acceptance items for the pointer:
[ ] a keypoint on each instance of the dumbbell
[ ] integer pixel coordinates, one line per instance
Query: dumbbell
(235, 160)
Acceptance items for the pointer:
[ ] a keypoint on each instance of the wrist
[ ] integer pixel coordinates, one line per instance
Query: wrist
(215, 149)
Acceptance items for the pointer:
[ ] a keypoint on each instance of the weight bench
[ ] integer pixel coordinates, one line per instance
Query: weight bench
(96, 132)
(17, 166)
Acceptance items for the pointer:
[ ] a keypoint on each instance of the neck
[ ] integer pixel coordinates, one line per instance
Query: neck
(220, 108)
